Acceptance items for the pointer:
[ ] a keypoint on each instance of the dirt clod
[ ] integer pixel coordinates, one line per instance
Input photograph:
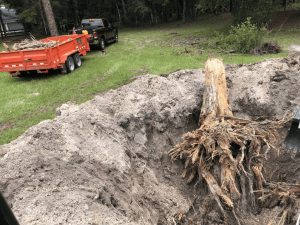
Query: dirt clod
(279, 76)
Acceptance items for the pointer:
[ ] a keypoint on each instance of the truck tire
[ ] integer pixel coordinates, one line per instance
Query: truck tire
(102, 43)
(116, 37)
(70, 64)
(77, 60)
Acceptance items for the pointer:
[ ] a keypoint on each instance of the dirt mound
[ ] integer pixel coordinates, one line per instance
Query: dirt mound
(265, 89)
(106, 162)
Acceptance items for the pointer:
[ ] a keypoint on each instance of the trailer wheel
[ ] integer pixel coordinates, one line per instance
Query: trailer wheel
(70, 64)
(77, 60)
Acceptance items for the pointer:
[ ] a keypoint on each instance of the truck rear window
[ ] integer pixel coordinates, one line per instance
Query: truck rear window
(92, 22)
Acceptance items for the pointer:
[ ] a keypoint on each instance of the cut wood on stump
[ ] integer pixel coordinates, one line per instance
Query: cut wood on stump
(234, 147)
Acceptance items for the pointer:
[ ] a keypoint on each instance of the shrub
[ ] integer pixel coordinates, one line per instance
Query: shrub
(243, 37)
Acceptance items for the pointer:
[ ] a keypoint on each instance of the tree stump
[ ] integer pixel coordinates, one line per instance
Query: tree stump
(215, 98)
(235, 148)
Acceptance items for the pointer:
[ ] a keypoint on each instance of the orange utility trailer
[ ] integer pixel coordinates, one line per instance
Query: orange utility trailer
(66, 56)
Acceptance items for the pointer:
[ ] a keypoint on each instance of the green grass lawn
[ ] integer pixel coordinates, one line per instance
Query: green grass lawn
(25, 102)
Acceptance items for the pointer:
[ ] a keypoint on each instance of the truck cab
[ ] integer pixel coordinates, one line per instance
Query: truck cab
(101, 32)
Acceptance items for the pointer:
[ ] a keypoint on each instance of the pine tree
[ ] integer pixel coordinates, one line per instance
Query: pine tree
(50, 17)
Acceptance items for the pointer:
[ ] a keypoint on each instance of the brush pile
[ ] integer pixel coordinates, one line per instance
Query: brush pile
(33, 44)
(228, 154)
(266, 48)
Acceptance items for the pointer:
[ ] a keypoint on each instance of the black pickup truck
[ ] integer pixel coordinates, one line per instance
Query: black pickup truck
(101, 32)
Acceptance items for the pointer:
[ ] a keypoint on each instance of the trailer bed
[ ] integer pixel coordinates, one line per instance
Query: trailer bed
(45, 59)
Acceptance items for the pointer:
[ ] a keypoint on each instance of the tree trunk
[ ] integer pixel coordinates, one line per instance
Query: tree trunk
(50, 17)
(177, 9)
(2, 26)
(151, 17)
(118, 11)
(124, 11)
(77, 18)
(285, 4)
(43, 18)
(184, 11)
(215, 98)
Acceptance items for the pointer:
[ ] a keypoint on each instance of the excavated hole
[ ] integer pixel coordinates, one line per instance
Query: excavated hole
(106, 161)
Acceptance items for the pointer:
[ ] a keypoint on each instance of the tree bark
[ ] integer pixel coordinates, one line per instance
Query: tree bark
(177, 9)
(43, 18)
(285, 4)
(118, 11)
(215, 99)
(50, 17)
(184, 11)
(124, 10)
(2, 26)
(76, 10)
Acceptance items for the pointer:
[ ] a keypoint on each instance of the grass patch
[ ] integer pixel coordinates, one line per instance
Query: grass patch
(25, 102)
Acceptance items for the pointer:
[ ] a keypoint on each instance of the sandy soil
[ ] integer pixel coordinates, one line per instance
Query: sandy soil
(105, 161)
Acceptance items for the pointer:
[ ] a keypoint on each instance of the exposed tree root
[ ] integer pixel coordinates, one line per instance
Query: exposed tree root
(228, 153)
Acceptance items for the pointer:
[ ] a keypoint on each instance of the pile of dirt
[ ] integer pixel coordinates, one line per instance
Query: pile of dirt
(106, 161)
(266, 89)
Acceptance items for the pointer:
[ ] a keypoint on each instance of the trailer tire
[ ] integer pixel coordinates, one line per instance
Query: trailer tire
(70, 64)
(77, 60)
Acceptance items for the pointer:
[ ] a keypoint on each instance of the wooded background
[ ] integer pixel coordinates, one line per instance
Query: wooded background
(68, 13)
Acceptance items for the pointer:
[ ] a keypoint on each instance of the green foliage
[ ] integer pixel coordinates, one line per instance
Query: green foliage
(146, 12)
(294, 6)
(213, 6)
(29, 16)
(139, 8)
(243, 37)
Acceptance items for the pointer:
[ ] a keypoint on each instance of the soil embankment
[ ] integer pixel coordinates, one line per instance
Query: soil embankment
(106, 162)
